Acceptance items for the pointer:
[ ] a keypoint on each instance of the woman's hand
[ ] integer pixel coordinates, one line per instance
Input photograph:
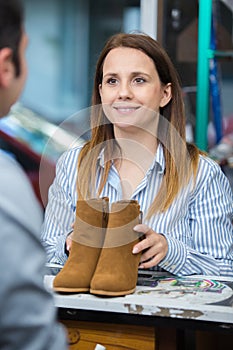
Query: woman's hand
(154, 247)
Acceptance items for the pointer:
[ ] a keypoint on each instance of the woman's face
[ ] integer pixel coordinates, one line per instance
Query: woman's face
(131, 87)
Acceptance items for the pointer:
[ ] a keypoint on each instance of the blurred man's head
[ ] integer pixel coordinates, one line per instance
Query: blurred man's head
(13, 43)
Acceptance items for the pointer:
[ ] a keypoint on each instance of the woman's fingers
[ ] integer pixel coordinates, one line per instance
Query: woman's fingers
(68, 243)
(69, 239)
(147, 241)
(146, 264)
(154, 247)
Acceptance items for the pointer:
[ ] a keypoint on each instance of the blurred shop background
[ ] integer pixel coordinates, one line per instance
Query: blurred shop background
(65, 39)
(67, 36)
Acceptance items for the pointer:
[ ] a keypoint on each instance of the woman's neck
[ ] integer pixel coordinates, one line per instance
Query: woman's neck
(139, 146)
(136, 156)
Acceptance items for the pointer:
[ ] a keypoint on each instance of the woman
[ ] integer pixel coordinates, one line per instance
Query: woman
(138, 151)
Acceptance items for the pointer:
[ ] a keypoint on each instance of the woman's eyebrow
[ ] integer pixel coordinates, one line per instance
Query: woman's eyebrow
(110, 74)
(132, 74)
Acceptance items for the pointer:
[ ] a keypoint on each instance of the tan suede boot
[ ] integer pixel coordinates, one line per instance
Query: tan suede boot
(117, 268)
(87, 241)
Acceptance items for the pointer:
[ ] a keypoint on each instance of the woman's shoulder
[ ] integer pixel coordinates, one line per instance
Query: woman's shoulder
(70, 155)
(209, 171)
(208, 164)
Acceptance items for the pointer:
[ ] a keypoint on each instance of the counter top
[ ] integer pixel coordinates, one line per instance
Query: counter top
(200, 298)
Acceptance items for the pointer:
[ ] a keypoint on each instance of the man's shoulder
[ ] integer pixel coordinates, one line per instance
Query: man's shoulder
(11, 172)
(16, 193)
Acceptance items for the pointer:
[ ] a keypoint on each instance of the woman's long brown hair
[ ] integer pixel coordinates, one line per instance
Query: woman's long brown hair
(181, 158)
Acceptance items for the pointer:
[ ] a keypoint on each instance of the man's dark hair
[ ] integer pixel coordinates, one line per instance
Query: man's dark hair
(11, 28)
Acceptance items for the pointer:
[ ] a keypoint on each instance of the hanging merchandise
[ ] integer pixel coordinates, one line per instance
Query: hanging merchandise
(214, 82)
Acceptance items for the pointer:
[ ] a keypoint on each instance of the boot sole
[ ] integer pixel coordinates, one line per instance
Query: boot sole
(70, 290)
(113, 294)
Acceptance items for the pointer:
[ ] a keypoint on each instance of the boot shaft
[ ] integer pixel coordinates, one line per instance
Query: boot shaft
(117, 268)
(88, 236)
(124, 215)
(91, 221)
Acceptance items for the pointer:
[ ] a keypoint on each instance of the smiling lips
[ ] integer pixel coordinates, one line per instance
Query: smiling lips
(126, 109)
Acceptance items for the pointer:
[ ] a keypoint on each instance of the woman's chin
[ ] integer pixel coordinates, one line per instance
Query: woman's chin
(123, 125)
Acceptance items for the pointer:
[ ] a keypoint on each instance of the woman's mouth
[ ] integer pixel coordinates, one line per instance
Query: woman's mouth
(126, 109)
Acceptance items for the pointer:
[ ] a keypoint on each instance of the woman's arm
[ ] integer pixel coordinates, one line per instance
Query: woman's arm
(60, 210)
(208, 250)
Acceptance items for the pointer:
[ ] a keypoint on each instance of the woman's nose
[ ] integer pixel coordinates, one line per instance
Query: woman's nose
(125, 91)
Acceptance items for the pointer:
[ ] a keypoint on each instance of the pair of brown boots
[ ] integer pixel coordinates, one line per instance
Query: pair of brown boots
(101, 260)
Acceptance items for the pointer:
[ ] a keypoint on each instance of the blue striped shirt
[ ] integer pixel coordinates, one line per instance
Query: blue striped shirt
(198, 225)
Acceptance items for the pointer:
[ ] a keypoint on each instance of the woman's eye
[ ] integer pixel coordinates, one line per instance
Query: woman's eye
(111, 81)
(139, 80)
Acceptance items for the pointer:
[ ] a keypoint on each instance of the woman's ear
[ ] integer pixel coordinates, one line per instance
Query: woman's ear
(167, 95)
(7, 71)
(100, 90)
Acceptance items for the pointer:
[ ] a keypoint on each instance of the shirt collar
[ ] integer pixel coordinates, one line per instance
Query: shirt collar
(101, 158)
(159, 159)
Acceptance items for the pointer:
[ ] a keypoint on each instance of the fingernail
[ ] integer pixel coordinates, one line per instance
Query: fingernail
(135, 228)
(135, 250)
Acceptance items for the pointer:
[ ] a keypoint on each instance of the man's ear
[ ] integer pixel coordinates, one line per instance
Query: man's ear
(7, 70)
(167, 95)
